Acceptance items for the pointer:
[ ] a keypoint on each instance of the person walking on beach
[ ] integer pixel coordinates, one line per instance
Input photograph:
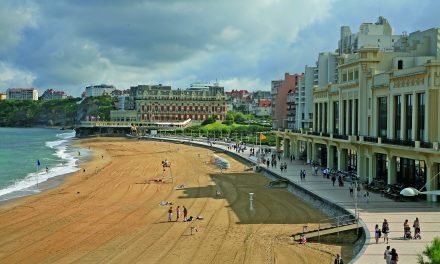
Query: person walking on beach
(338, 259)
(387, 255)
(394, 256)
(170, 214)
(385, 230)
(185, 214)
(177, 213)
(377, 233)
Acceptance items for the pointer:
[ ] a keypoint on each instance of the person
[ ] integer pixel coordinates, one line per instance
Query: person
(338, 259)
(170, 214)
(358, 189)
(377, 233)
(367, 196)
(387, 255)
(177, 213)
(351, 190)
(102, 156)
(416, 225)
(47, 169)
(185, 214)
(304, 175)
(394, 256)
(84, 170)
(406, 230)
(333, 179)
(385, 230)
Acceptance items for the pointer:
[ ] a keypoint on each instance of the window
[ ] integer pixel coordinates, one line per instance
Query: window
(409, 107)
(400, 64)
(382, 120)
(421, 116)
(398, 111)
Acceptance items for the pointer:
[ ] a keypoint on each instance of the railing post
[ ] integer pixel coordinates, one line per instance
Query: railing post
(319, 235)
(338, 226)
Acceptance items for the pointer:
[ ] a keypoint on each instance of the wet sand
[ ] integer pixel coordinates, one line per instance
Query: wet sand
(109, 214)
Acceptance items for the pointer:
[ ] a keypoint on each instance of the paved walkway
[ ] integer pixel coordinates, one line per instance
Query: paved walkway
(374, 212)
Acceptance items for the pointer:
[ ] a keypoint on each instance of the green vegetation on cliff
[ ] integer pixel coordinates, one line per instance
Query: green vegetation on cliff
(62, 112)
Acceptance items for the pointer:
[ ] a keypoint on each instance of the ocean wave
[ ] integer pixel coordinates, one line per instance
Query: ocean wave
(68, 164)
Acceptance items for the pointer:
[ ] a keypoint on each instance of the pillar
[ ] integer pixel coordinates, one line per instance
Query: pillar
(391, 169)
(372, 170)
(330, 118)
(309, 151)
(347, 116)
(315, 117)
(330, 156)
(403, 118)
(391, 116)
(319, 118)
(286, 147)
(431, 180)
(414, 117)
(341, 116)
(361, 166)
(277, 142)
(342, 159)
(353, 117)
(314, 151)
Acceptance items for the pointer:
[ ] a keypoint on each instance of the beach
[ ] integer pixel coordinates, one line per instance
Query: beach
(111, 213)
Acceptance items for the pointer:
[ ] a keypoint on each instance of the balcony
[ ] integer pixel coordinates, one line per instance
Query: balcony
(370, 139)
(338, 136)
(425, 144)
(325, 134)
(400, 142)
(314, 133)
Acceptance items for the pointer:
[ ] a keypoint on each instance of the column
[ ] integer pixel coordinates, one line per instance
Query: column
(341, 116)
(403, 118)
(330, 118)
(391, 117)
(431, 180)
(427, 114)
(313, 151)
(315, 117)
(391, 169)
(361, 166)
(292, 147)
(309, 151)
(372, 168)
(319, 118)
(330, 156)
(353, 117)
(414, 117)
(342, 159)
(325, 114)
(286, 147)
(347, 116)
(277, 142)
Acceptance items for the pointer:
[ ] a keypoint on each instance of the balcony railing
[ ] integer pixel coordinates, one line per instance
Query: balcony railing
(370, 139)
(338, 136)
(325, 134)
(400, 142)
(314, 133)
(425, 144)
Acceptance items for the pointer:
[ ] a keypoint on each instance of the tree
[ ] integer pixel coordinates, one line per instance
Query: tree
(208, 120)
(431, 253)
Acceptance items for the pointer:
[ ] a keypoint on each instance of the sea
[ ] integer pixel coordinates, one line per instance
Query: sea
(22, 148)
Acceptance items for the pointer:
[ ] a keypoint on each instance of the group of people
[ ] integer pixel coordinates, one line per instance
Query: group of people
(178, 213)
(302, 175)
(407, 230)
(391, 256)
(283, 166)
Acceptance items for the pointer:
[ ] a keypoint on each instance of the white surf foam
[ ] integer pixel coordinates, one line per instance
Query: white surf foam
(67, 165)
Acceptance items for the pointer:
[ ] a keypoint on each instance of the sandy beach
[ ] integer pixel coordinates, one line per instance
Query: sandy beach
(111, 214)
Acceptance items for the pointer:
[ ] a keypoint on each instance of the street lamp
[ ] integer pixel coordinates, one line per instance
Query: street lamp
(410, 191)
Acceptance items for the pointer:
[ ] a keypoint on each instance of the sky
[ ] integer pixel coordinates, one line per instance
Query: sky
(70, 44)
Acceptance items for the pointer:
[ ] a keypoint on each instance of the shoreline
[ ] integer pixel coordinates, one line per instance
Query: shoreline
(88, 162)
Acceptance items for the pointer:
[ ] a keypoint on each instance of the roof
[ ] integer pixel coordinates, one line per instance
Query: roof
(21, 89)
(264, 103)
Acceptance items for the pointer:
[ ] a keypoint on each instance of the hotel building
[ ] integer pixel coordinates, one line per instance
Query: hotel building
(158, 103)
(381, 118)
(99, 90)
(51, 94)
(22, 94)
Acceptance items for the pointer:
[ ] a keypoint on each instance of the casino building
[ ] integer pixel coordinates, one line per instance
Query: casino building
(381, 119)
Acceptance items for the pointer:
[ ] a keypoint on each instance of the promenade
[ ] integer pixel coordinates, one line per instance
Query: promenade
(374, 212)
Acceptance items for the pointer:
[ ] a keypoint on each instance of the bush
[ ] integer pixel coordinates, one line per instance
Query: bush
(208, 121)
(432, 253)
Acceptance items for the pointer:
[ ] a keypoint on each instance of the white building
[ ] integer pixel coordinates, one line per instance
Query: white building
(99, 90)
(379, 34)
(22, 94)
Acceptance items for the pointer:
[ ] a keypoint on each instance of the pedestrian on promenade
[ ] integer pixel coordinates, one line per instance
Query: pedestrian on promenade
(377, 233)
(185, 214)
(333, 179)
(177, 213)
(394, 256)
(416, 224)
(304, 175)
(385, 230)
(358, 189)
(338, 259)
(367, 196)
(170, 214)
(387, 255)
(301, 175)
(267, 163)
(351, 190)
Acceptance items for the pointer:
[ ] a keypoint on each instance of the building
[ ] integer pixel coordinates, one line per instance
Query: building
(379, 34)
(279, 91)
(240, 100)
(99, 90)
(51, 94)
(2, 96)
(22, 94)
(381, 119)
(262, 108)
(158, 103)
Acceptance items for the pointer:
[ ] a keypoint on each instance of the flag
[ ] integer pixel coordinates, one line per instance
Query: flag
(262, 136)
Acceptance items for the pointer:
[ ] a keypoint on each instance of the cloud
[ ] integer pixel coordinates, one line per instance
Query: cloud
(68, 44)
(13, 77)
(14, 18)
